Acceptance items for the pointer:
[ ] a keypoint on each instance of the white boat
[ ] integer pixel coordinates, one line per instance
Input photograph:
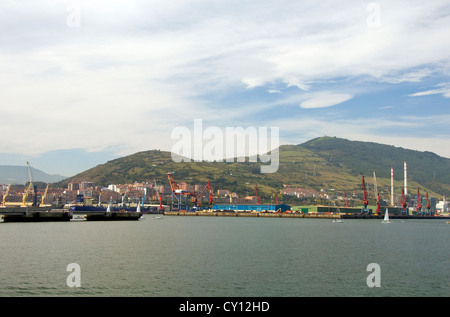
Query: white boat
(386, 217)
(338, 220)
(78, 218)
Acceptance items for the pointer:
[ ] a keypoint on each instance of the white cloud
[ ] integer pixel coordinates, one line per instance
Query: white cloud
(324, 100)
(445, 91)
(135, 69)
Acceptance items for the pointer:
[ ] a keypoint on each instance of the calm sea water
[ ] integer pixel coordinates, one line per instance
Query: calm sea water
(221, 256)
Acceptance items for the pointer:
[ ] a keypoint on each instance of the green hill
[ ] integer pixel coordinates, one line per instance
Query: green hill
(323, 163)
(362, 158)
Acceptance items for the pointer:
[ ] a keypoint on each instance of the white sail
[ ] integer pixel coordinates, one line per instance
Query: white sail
(386, 217)
(138, 209)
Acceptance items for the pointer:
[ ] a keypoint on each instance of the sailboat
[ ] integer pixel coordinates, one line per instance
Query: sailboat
(138, 209)
(386, 217)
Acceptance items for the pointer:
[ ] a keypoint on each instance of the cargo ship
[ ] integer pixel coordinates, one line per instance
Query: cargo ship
(84, 208)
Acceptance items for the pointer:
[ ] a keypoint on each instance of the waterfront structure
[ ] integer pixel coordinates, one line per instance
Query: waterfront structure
(443, 206)
(253, 207)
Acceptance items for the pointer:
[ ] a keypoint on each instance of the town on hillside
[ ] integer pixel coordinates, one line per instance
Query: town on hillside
(149, 193)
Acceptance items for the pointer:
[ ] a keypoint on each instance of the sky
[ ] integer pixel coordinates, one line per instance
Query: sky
(83, 82)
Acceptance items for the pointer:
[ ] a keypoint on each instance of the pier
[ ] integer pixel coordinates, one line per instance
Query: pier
(22, 214)
(291, 215)
(249, 214)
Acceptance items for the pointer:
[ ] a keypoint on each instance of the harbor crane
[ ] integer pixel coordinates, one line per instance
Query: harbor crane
(29, 188)
(175, 190)
(365, 202)
(428, 205)
(161, 207)
(198, 198)
(378, 211)
(44, 196)
(6, 195)
(404, 204)
(389, 193)
(258, 200)
(419, 201)
(179, 193)
(158, 194)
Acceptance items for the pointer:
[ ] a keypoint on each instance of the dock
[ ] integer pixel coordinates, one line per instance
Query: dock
(21, 214)
(249, 214)
(291, 215)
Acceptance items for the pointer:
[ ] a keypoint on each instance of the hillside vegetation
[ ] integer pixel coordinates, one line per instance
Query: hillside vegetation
(323, 163)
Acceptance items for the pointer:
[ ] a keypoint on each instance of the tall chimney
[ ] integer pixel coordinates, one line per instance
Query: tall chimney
(392, 186)
(406, 181)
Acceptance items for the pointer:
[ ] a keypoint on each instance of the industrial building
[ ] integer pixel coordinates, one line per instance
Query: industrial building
(253, 207)
(325, 209)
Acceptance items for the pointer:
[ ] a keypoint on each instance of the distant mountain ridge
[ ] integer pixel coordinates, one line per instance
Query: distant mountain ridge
(324, 162)
(19, 175)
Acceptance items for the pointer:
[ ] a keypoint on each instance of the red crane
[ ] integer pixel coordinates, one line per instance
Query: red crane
(174, 186)
(196, 199)
(419, 200)
(403, 201)
(346, 200)
(257, 196)
(161, 208)
(428, 204)
(378, 205)
(177, 191)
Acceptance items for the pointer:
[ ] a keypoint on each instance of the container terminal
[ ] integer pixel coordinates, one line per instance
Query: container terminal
(283, 210)
(185, 203)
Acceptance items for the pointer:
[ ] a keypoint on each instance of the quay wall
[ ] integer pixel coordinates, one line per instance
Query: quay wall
(250, 214)
(291, 215)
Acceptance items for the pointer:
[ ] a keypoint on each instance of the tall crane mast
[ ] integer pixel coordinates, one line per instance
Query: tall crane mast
(404, 202)
(45, 195)
(177, 191)
(6, 194)
(258, 201)
(174, 186)
(365, 202)
(378, 211)
(28, 189)
(375, 186)
(419, 201)
(389, 193)
(161, 207)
